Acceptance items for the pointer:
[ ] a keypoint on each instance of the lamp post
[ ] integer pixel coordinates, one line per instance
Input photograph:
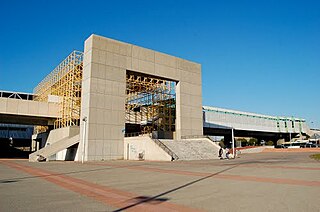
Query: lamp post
(232, 137)
(83, 138)
(290, 138)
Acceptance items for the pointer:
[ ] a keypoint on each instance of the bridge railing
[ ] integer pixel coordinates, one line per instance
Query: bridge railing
(16, 95)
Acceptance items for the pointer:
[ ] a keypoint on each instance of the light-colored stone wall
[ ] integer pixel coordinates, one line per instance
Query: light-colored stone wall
(57, 141)
(61, 133)
(103, 92)
(144, 145)
(28, 108)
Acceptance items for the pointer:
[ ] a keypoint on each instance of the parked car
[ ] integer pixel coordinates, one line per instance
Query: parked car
(282, 146)
(311, 145)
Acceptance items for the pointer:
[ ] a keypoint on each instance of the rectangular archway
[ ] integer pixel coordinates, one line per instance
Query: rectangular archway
(106, 62)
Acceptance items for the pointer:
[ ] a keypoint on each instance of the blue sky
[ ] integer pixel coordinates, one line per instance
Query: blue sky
(257, 56)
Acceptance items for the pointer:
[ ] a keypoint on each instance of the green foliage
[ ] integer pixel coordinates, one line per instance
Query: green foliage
(221, 143)
(252, 142)
(269, 143)
(243, 141)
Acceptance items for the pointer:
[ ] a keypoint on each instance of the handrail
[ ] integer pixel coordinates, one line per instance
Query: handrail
(199, 136)
(133, 134)
(194, 136)
(166, 149)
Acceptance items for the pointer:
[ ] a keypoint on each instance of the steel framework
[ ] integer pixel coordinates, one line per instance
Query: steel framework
(150, 102)
(64, 83)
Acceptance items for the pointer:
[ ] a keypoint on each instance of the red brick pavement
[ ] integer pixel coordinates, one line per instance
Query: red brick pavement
(110, 196)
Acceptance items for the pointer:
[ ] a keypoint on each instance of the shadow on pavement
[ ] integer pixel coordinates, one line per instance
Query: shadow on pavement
(157, 198)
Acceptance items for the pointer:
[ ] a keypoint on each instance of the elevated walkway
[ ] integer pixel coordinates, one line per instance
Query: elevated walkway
(193, 149)
(21, 111)
(225, 119)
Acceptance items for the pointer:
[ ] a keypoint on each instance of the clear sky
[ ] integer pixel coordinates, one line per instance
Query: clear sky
(259, 56)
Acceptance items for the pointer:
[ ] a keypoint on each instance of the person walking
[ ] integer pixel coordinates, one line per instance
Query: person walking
(227, 153)
(221, 153)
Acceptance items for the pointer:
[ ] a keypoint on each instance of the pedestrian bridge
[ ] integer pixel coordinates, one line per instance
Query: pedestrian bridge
(21, 109)
(218, 121)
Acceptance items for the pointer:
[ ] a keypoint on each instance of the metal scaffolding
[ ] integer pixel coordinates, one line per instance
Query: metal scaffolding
(150, 102)
(63, 85)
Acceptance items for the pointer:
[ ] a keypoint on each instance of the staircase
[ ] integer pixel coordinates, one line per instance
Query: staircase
(166, 149)
(54, 148)
(193, 149)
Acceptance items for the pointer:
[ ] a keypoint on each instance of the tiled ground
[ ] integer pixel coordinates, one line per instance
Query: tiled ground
(284, 181)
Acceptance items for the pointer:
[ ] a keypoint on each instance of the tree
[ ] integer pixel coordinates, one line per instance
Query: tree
(221, 143)
(252, 142)
(269, 143)
(243, 142)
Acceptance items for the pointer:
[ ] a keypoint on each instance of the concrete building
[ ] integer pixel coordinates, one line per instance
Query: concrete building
(94, 99)
(112, 90)
(105, 65)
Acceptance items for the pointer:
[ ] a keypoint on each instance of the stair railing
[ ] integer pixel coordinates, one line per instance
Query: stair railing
(166, 149)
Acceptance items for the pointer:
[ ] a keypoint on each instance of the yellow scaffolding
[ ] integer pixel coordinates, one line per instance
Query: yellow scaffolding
(64, 84)
(150, 102)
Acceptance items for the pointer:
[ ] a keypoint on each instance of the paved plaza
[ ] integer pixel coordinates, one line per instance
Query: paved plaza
(254, 182)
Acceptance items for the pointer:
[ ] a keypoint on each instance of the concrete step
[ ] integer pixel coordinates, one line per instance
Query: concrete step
(193, 149)
(55, 147)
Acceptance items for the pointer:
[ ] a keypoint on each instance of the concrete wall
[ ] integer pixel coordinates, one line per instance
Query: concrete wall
(61, 133)
(103, 92)
(13, 111)
(28, 108)
(58, 135)
(144, 145)
(255, 149)
(58, 140)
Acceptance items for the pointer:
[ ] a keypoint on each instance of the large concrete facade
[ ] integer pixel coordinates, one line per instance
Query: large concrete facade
(103, 93)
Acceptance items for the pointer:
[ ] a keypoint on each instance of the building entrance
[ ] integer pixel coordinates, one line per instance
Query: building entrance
(150, 105)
